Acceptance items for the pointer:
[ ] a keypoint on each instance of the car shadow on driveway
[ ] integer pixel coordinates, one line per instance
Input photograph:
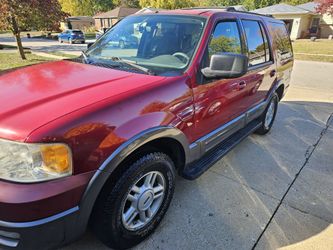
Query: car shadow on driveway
(230, 205)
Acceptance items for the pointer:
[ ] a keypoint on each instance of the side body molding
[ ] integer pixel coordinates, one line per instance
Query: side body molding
(105, 170)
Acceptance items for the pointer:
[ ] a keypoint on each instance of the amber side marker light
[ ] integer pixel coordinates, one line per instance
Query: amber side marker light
(56, 158)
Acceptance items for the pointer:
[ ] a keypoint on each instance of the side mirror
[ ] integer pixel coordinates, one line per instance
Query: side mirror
(89, 45)
(226, 65)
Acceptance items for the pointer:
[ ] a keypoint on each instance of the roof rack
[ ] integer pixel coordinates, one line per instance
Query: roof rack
(226, 8)
(232, 9)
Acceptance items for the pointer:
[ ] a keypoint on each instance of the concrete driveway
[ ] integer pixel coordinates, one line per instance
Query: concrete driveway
(270, 191)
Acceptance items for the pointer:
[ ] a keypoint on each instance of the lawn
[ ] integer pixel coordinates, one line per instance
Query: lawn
(57, 53)
(13, 60)
(320, 50)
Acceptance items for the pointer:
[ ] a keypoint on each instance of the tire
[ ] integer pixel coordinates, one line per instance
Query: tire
(268, 117)
(109, 219)
(121, 44)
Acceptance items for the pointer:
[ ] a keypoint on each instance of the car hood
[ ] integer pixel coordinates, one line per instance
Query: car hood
(34, 96)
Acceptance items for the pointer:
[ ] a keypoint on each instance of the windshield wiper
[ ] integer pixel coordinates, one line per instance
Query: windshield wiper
(85, 57)
(133, 64)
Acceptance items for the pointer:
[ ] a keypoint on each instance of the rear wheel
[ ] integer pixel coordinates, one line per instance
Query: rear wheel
(130, 211)
(268, 117)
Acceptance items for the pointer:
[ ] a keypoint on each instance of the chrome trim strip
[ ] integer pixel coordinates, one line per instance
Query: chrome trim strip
(38, 222)
(207, 142)
(255, 112)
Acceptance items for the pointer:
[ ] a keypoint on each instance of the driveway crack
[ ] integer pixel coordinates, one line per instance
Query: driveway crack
(308, 155)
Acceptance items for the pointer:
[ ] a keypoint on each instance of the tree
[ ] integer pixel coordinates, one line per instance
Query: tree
(87, 7)
(168, 4)
(19, 15)
(325, 6)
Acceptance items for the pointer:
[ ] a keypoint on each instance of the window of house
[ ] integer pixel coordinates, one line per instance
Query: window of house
(315, 24)
(256, 42)
(225, 38)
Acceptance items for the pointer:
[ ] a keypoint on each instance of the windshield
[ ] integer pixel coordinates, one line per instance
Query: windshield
(163, 44)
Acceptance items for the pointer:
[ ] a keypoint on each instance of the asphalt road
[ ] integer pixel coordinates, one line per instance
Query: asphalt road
(45, 45)
(270, 191)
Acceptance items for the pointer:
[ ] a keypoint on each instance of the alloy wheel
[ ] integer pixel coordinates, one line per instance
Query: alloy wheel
(143, 200)
(269, 115)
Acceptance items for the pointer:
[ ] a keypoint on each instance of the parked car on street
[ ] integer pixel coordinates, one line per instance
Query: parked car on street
(71, 36)
(98, 140)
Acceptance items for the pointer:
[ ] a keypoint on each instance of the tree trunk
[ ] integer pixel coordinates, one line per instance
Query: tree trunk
(19, 46)
(17, 35)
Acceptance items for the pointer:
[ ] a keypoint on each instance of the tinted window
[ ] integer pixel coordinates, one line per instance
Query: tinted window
(281, 40)
(77, 32)
(267, 50)
(255, 42)
(225, 38)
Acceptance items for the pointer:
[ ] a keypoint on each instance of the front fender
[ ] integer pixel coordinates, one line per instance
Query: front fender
(110, 164)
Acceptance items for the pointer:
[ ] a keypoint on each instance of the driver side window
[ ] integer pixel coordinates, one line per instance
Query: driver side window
(225, 38)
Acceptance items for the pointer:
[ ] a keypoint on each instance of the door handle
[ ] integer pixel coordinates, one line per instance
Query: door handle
(272, 73)
(241, 85)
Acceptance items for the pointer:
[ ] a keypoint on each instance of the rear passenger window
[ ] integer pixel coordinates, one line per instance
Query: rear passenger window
(225, 38)
(281, 40)
(257, 42)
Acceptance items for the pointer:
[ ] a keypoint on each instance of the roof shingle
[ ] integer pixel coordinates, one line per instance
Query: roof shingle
(117, 13)
(281, 8)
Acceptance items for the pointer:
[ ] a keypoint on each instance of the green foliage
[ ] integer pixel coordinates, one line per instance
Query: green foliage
(168, 4)
(224, 44)
(91, 7)
(18, 15)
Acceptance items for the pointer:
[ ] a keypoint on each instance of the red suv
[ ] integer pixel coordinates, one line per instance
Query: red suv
(99, 140)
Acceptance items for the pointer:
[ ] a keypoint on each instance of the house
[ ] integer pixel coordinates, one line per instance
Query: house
(108, 19)
(148, 10)
(302, 21)
(77, 22)
(323, 22)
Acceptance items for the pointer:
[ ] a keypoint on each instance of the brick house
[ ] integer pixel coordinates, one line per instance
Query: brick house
(108, 19)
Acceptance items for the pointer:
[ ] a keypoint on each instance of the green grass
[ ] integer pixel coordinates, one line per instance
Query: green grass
(320, 46)
(13, 60)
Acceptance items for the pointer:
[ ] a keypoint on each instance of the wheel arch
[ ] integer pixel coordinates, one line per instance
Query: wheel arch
(280, 91)
(167, 139)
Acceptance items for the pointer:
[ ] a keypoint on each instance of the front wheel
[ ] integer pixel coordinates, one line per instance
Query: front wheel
(268, 117)
(130, 211)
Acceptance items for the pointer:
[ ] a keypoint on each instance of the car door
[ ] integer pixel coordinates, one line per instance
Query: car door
(219, 101)
(261, 72)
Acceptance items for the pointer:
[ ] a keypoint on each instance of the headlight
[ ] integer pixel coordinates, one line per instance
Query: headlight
(24, 162)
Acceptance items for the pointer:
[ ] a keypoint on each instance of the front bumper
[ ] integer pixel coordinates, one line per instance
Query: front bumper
(41, 215)
(78, 40)
(46, 233)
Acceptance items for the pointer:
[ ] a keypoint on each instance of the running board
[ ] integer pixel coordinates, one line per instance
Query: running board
(197, 168)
